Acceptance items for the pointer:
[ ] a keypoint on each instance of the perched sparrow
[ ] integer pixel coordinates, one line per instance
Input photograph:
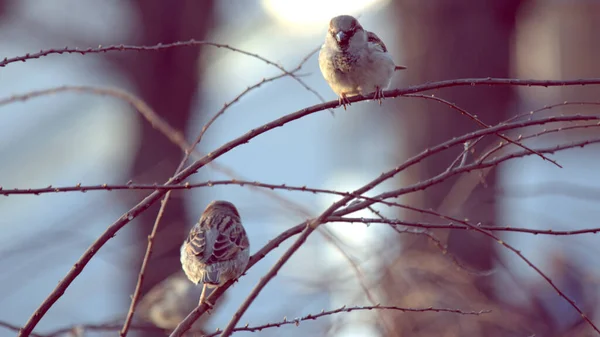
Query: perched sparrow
(217, 248)
(355, 61)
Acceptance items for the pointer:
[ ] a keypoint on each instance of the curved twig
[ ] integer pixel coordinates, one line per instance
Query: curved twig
(156, 195)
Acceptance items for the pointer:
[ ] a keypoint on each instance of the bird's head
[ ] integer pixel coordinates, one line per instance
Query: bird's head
(221, 206)
(345, 32)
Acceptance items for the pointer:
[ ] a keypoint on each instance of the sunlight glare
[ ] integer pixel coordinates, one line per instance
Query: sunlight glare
(354, 234)
(314, 12)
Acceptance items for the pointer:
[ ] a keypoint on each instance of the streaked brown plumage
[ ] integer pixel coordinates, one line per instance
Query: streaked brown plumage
(217, 248)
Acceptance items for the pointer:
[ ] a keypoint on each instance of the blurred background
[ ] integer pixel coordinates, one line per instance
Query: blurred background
(71, 138)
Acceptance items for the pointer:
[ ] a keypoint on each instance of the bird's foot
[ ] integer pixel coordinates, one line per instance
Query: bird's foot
(209, 305)
(343, 100)
(204, 299)
(378, 94)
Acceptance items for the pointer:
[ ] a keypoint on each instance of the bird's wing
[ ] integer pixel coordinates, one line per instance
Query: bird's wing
(376, 42)
(229, 238)
(196, 242)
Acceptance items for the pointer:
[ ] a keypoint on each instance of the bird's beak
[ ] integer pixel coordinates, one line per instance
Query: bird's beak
(340, 36)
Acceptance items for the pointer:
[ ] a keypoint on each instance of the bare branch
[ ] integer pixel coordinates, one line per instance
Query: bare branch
(15, 328)
(424, 225)
(161, 46)
(187, 322)
(285, 321)
(374, 200)
(122, 47)
(311, 317)
(466, 168)
(144, 109)
(312, 225)
(478, 121)
(140, 281)
(138, 288)
(424, 232)
(359, 275)
(153, 197)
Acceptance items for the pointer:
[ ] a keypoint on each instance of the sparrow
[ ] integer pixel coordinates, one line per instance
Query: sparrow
(355, 61)
(217, 249)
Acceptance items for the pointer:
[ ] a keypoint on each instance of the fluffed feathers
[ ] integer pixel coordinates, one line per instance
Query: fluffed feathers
(355, 61)
(217, 248)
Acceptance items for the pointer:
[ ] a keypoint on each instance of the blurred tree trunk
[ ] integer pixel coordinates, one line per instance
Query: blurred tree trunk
(579, 44)
(566, 46)
(168, 81)
(447, 40)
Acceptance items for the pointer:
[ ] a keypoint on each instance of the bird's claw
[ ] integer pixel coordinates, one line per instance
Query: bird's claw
(343, 101)
(209, 305)
(378, 94)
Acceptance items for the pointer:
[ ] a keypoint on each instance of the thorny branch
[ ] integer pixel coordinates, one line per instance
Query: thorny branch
(393, 223)
(243, 183)
(310, 317)
(313, 224)
(295, 321)
(153, 197)
(188, 151)
(160, 46)
(122, 47)
(479, 122)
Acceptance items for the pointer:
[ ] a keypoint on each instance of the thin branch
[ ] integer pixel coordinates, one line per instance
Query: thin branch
(122, 47)
(552, 106)
(188, 151)
(242, 183)
(250, 88)
(360, 276)
(311, 317)
(140, 280)
(535, 135)
(155, 120)
(153, 197)
(466, 168)
(172, 134)
(478, 121)
(424, 232)
(16, 328)
(80, 188)
(158, 47)
(186, 324)
(162, 126)
(425, 225)
(195, 314)
(312, 225)
(304, 229)
(103, 328)
(144, 109)
(296, 321)
(477, 166)
(510, 247)
(471, 145)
